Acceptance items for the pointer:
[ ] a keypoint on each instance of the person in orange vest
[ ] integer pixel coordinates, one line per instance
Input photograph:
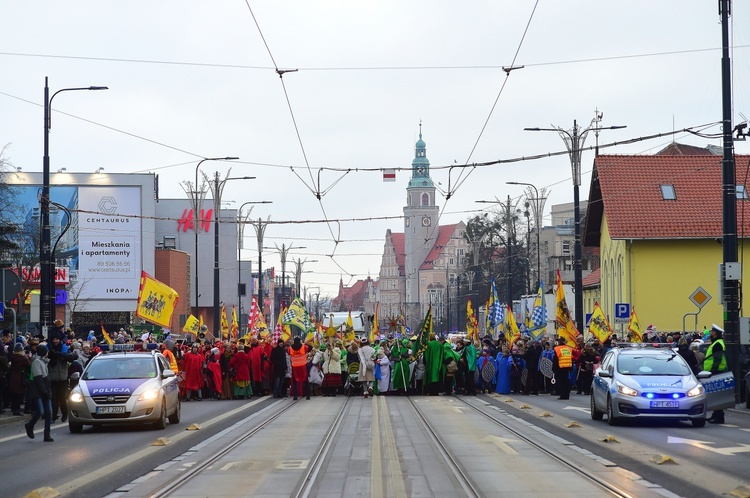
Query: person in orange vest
(562, 365)
(298, 354)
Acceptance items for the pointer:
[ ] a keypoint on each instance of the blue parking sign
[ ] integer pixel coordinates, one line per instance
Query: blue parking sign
(622, 312)
(2, 311)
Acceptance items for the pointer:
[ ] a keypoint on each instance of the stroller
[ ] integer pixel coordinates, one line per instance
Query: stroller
(352, 384)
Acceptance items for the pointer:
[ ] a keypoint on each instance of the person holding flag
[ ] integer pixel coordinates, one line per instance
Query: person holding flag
(636, 335)
(566, 326)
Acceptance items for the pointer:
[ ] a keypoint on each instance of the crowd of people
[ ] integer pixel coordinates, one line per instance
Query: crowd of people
(35, 375)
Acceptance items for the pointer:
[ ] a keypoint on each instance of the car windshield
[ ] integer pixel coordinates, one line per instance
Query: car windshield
(663, 364)
(120, 368)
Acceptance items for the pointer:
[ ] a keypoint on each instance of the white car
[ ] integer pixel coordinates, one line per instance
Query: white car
(125, 387)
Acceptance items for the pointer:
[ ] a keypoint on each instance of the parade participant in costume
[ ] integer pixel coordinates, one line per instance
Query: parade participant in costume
(241, 380)
(298, 354)
(227, 391)
(192, 364)
(331, 370)
(366, 356)
(516, 368)
(433, 366)
(502, 368)
(562, 364)
(278, 366)
(342, 364)
(315, 373)
(468, 364)
(257, 359)
(266, 384)
(214, 374)
(716, 362)
(450, 367)
(384, 366)
(401, 374)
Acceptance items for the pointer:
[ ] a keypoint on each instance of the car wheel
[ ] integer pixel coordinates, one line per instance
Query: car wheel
(611, 420)
(595, 414)
(698, 422)
(75, 428)
(162, 422)
(175, 417)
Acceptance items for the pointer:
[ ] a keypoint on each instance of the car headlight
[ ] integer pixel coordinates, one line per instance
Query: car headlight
(696, 391)
(627, 391)
(148, 394)
(76, 397)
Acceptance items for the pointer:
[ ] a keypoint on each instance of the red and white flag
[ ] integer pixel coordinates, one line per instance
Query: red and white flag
(389, 175)
(252, 317)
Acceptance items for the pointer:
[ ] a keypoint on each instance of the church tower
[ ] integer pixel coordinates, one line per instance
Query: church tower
(420, 220)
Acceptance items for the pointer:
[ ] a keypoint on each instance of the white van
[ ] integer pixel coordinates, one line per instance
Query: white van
(340, 317)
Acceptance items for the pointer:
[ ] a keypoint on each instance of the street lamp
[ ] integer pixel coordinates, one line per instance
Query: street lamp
(196, 197)
(218, 190)
(283, 251)
(46, 255)
(508, 239)
(298, 272)
(538, 208)
(241, 221)
(574, 140)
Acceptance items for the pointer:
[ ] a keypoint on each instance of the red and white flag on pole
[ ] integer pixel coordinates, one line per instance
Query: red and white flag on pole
(389, 175)
(252, 317)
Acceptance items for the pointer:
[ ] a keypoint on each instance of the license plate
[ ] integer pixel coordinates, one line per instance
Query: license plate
(665, 404)
(103, 410)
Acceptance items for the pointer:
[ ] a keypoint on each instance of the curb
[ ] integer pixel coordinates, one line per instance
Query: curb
(13, 419)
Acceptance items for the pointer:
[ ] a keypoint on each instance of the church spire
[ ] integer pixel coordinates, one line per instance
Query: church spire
(420, 166)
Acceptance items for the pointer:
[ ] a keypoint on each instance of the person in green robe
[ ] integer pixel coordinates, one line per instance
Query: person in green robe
(469, 366)
(450, 367)
(401, 353)
(433, 366)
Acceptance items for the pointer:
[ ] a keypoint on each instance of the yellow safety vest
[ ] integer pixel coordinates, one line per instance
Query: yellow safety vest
(708, 362)
(564, 356)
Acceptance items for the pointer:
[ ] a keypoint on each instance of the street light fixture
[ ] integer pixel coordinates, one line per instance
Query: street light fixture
(196, 197)
(574, 140)
(539, 206)
(241, 221)
(46, 255)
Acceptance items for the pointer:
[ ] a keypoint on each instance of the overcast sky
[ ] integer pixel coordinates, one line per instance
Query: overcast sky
(191, 79)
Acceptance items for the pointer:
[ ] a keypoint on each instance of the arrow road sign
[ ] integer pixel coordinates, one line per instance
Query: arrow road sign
(501, 443)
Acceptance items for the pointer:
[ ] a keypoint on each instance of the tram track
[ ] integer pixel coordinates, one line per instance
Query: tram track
(307, 483)
(610, 488)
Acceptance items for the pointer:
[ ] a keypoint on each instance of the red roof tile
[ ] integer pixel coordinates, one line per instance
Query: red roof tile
(593, 279)
(627, 190)
(444, 236)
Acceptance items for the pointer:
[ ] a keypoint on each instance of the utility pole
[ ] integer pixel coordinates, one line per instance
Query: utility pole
(509, 228)
(260, 230)
(732, 269)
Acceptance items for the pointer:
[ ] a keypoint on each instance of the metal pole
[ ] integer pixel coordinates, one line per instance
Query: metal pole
(217, 207)
(729, 194)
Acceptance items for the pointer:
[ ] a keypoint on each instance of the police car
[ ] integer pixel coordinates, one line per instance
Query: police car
(642, 381)
(123, 386)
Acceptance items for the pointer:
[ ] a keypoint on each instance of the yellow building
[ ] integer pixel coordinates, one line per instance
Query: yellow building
(657, 221)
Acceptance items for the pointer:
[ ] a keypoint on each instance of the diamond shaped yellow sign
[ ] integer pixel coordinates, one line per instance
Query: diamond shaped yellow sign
(700, 297)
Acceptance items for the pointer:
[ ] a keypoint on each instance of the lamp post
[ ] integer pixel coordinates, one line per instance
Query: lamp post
(46, 255)
(298, 271)
(509, 240)
(197, 194)
(283, 252)
(538, 208)
(260, 230)
(241, 221)
(574, 140)
(218, 189)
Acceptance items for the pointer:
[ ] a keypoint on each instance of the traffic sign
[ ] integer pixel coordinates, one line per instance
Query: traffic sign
(11, 285)
(2, 311)
(700, 297)
(588, 319)
(622, 312)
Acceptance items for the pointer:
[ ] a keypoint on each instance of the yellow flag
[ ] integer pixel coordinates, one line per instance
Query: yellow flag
(235, 324)
(200, 321)
(349, 330)
(375, 329)
(156, 301)
(191, 325)
(566, 327)
(512, 333)
(107, 337)
(599, 325)
(634, 327)
(472, 326)
(330, 331)
(224, 323)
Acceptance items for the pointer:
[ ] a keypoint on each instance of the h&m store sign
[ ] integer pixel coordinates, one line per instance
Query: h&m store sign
(187, 221)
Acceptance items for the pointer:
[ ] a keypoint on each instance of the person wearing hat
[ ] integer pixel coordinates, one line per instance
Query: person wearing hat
(716, 362)
(434, 369)
(468, 365)
(401, 374)
(240, 363)
(298, 357)
(18, 378)
(59, 357)
(278, 367)
(40, 393)
(331, 370)
(192, 363)
(366, 356)
(562, 365)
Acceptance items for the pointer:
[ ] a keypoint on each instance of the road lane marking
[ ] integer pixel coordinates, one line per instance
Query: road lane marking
(38, 431)
(394, 465)
(456, 409)
(577, 408)
(376, 465)
(502, 443)
(705, 445)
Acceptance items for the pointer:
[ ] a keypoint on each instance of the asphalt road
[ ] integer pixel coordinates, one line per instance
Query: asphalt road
(98, 461)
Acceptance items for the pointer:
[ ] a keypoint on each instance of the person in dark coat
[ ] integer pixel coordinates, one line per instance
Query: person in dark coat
(18, 378)
(683, 349)
(40, 394)
(586, 363)
(531, 357)
(278, 363)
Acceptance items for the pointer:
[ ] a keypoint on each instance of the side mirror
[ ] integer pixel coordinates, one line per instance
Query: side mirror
(75, 376)
(603, 372)
(704, 374)
(166, 374)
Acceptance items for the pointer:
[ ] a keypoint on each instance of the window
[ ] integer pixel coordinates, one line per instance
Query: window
(425, 199)
(668, 193)
(451, 261)
(741, 192)
(566, 247)
(423, 281)
(460, 251)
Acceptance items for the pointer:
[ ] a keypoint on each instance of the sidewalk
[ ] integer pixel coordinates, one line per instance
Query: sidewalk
(9, 418)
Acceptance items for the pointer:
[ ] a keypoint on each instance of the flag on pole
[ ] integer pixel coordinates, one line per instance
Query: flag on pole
(200, 320)
(224, 322)
(297, 315)
(156, 301)
(279, 329)
(512, 333)
(349, 329)
(375, 329)
(330, 330)
(235, 324)
(472, 326)
(636, 334)
(599, 325)
(495, 310)
(107, 336)
(566, 327)
(191, 325)
(389, 175)
(425, 331)
(252, 317)
(538, 315)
